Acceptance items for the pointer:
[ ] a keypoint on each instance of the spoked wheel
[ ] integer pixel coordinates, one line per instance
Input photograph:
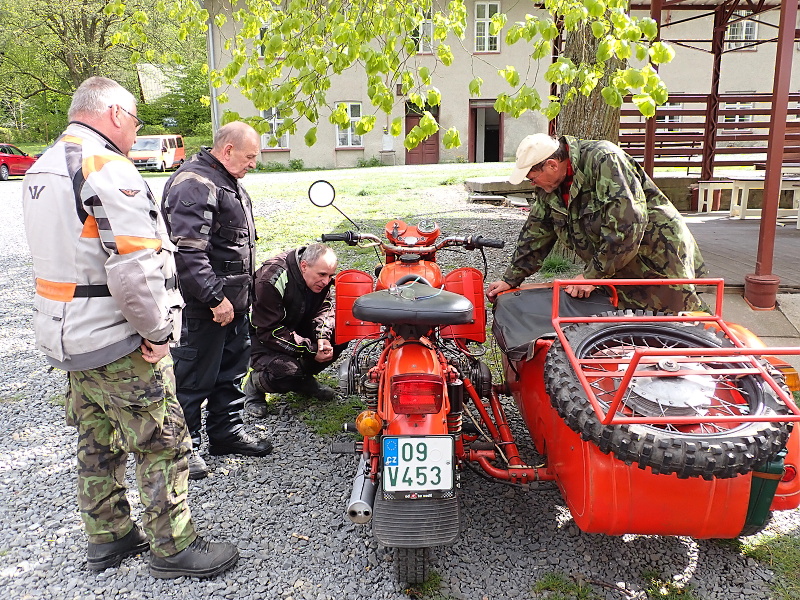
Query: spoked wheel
(411, 564)
(708, 450)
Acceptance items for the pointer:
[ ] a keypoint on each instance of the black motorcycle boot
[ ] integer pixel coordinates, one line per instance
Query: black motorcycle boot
(255, 402)
(242, 443)
(105, 556)
(200, 559)
(314, 389)
(198, 469)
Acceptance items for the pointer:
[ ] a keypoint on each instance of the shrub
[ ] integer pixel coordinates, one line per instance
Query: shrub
(272, 167)
(373, 161)
(203, 130)
(296, 164)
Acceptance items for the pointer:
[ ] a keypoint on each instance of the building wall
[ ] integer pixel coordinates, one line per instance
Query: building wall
(690, 72)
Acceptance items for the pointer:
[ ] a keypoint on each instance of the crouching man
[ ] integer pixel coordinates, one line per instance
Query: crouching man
(292, 326)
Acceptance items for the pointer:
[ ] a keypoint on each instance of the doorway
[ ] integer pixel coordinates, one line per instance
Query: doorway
(427, 152)
(485, 132)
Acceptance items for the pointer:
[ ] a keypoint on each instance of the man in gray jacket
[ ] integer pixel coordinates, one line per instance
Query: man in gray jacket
(105, 310)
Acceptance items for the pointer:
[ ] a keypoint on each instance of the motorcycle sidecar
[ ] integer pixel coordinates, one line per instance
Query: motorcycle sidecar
(660, 471)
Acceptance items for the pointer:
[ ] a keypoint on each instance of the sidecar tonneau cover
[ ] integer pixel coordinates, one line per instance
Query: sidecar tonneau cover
(525, 315)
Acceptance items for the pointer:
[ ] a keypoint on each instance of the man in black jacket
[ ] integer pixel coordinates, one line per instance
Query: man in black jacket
(292, 326)
(210, 219)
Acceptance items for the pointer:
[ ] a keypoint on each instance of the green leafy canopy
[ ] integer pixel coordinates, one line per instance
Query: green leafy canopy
(284, 55)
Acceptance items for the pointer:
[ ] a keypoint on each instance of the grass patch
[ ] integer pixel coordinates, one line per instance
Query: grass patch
(18, 397)
(558, 586)
(661, 589)
(57, 400)
(323, 418)
(782, 554)
(429, 590)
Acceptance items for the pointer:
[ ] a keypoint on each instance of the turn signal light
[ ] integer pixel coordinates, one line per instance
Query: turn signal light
(417, 393)
(789, 473)
(368, 423)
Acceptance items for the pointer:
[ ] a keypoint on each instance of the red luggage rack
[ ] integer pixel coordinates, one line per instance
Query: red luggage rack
(742, 360)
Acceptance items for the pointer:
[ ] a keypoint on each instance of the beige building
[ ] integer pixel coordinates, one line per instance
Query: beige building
(487, 136)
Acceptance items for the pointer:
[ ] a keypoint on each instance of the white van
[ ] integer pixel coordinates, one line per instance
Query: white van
(157, 152)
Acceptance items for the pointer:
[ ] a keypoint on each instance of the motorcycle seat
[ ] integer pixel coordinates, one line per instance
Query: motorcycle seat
(414, 304)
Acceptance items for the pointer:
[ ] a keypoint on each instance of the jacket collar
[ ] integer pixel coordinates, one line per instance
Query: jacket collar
(109, 144)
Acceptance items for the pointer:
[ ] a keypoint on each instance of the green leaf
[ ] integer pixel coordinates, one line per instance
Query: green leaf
(598, 29)
(452, 138)
(425, 75)
(396, 128)
(649, 28)
(633, 78)
(645, 104)
(428, 124)
(605, 49)
(612, 96)
(623, 50)
(365, 124)
(445, 54)
(661, 53)
(434, 97)
(595, 8)
(510, 75)
(475, 86)
(551, 110)
(311, 137)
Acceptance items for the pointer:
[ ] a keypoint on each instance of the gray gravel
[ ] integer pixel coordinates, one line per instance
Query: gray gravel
(286, 511)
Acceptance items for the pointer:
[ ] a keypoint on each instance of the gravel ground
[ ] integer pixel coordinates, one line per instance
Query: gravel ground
(286, 511)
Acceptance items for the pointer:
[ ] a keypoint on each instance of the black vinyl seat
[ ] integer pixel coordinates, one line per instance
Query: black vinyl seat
(414, 304)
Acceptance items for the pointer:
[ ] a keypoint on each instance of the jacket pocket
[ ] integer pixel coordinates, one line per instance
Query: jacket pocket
(184, 359)
(48, 325)
(237, 290)
(236, 235)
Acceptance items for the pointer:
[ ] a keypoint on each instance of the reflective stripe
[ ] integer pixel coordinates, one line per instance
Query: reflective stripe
(60, 291)
(127, 244)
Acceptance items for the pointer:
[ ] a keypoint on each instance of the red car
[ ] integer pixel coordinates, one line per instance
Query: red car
(13, 161)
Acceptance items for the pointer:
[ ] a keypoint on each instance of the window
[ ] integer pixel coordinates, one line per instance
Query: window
(348, 138)
(423, 35)
(669, 118)
(274, 119)
(738, 118)
(484, 41)
(741, 33)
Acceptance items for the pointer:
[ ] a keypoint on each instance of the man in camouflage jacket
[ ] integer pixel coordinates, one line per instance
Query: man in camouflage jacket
(598, 202)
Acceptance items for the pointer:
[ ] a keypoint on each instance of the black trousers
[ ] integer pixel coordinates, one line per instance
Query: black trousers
(280, 373)
(209, 365)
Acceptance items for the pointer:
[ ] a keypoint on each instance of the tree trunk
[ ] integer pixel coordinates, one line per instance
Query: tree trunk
(588, 117)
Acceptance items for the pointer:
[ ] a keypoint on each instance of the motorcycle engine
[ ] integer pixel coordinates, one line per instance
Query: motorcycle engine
(353, 372)
(478, 373)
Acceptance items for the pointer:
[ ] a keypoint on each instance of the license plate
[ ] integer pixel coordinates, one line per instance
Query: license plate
(417, 464)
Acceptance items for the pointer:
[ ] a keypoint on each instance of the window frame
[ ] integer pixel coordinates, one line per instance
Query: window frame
(353, 139)
(424, 41)
(486, 22)
(742, 33)
(275, 120)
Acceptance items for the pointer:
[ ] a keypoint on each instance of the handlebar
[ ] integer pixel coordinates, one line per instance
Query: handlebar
(471, 242)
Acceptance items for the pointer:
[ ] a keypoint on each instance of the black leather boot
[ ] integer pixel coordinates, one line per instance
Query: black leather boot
(200, 559)
(105, 556)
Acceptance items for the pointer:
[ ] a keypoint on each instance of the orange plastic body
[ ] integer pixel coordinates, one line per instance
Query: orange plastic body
(411, 356)
(393, 271)
(352, 284)
(605, 495)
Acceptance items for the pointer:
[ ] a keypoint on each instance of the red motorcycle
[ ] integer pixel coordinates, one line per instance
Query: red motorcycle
(413, 326)
(648, 424)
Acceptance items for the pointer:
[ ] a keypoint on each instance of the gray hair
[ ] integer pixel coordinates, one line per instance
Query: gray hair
(96, 94)
(314, 252)
(233, 133)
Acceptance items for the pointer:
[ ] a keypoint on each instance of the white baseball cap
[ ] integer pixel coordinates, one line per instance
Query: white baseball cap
(532, 150)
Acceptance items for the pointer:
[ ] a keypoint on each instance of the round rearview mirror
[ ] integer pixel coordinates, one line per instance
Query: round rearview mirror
(321, 193)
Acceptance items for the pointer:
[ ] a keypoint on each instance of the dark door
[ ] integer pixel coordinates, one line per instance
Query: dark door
(427, 152)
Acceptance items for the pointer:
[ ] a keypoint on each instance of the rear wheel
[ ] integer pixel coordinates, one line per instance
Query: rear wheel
(163, 167)
(411, 564)
(4, 173)
(724, 449)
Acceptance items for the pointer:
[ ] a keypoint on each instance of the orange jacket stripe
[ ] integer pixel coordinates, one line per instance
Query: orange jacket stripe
(90, 228)
(55, 290)
(96, 162)
(127, 243)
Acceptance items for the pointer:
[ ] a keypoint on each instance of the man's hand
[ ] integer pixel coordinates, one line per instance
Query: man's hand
(153, 353)
(495, 288)
(324, 351)
(579, 291)
(223, 313)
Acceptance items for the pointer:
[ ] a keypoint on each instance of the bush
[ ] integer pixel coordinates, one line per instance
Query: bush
(153, 130)
(369, 162)
(203, 130)
(271, 167)
(296, 164)
(7, 135)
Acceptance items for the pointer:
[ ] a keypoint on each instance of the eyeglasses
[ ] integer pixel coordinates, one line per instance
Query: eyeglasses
(139, 122)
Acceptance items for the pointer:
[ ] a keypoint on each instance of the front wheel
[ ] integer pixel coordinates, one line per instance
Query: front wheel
(411, 564)
(725, 449)
(4, 172)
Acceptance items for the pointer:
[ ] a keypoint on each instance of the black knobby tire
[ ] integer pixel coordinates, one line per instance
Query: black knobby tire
(706, 451)
(411, 565)
(4, 172)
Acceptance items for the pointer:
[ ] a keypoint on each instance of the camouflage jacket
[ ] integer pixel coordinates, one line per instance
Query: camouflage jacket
(618, 223)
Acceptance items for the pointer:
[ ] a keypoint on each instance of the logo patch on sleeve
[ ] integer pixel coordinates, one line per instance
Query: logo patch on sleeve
(129, 193)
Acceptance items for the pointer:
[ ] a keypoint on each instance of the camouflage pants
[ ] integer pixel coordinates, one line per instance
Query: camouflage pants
(661, 298)
(129, 406)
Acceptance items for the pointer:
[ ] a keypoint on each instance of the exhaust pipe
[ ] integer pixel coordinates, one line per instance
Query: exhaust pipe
(359, 508)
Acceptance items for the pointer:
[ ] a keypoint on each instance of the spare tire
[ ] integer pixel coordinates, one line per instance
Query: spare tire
(706, 450)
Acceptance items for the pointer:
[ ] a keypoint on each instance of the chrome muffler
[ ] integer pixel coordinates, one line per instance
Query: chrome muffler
(359, 508)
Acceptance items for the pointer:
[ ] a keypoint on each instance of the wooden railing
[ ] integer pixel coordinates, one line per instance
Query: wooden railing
(741, 134)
